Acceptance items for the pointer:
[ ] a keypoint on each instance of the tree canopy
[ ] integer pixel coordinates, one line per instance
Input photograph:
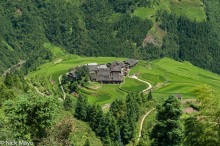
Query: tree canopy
(30, 115)
(168, 130)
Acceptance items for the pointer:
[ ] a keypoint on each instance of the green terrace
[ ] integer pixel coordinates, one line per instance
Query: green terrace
(166, 75)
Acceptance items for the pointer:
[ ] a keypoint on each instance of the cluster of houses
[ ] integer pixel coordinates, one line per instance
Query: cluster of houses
(111, 73)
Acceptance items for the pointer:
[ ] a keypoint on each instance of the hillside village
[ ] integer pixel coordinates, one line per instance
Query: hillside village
(110, 73)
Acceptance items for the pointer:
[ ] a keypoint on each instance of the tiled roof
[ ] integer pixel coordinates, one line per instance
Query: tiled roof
(121, 64)
(104, 78)
(92, 68)
(117, 78)
(115, 68)
(102, 66)
(105, 72)
(131, 62)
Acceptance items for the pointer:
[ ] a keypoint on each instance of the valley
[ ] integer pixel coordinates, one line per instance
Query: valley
(110, 72)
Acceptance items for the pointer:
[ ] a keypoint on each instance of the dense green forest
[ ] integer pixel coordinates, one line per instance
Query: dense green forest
(118, 125)
(103, 28)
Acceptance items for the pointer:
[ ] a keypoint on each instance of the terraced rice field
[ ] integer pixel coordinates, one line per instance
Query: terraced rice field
(172, 77)
(166, 75)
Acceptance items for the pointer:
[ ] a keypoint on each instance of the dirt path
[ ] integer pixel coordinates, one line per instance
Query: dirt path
(147, 89)
(60, 83)
(106, 106)
(42, 94)
(19, 64)
(142, 122)
(149, 85)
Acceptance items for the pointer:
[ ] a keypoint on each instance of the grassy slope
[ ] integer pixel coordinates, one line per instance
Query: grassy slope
(171, 77)
(80, 131)
(68, 62)
(56, 51)
(192, 9)
(168, 77)
(105, 94)
(133, 85)
(108, 93)
(63, 62)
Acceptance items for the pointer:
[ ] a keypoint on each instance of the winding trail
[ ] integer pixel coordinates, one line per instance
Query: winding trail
(106, 106)
(60, 83)
(149, 85)
(42, 94)
(19, 64)
(142, 122)
(147, 89)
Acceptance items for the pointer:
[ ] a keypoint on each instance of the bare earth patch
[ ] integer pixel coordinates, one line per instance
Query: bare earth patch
(106, 107)
(189, 110)
(155, 36)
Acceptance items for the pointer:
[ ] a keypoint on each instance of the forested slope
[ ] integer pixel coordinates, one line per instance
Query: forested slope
(109, 28)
